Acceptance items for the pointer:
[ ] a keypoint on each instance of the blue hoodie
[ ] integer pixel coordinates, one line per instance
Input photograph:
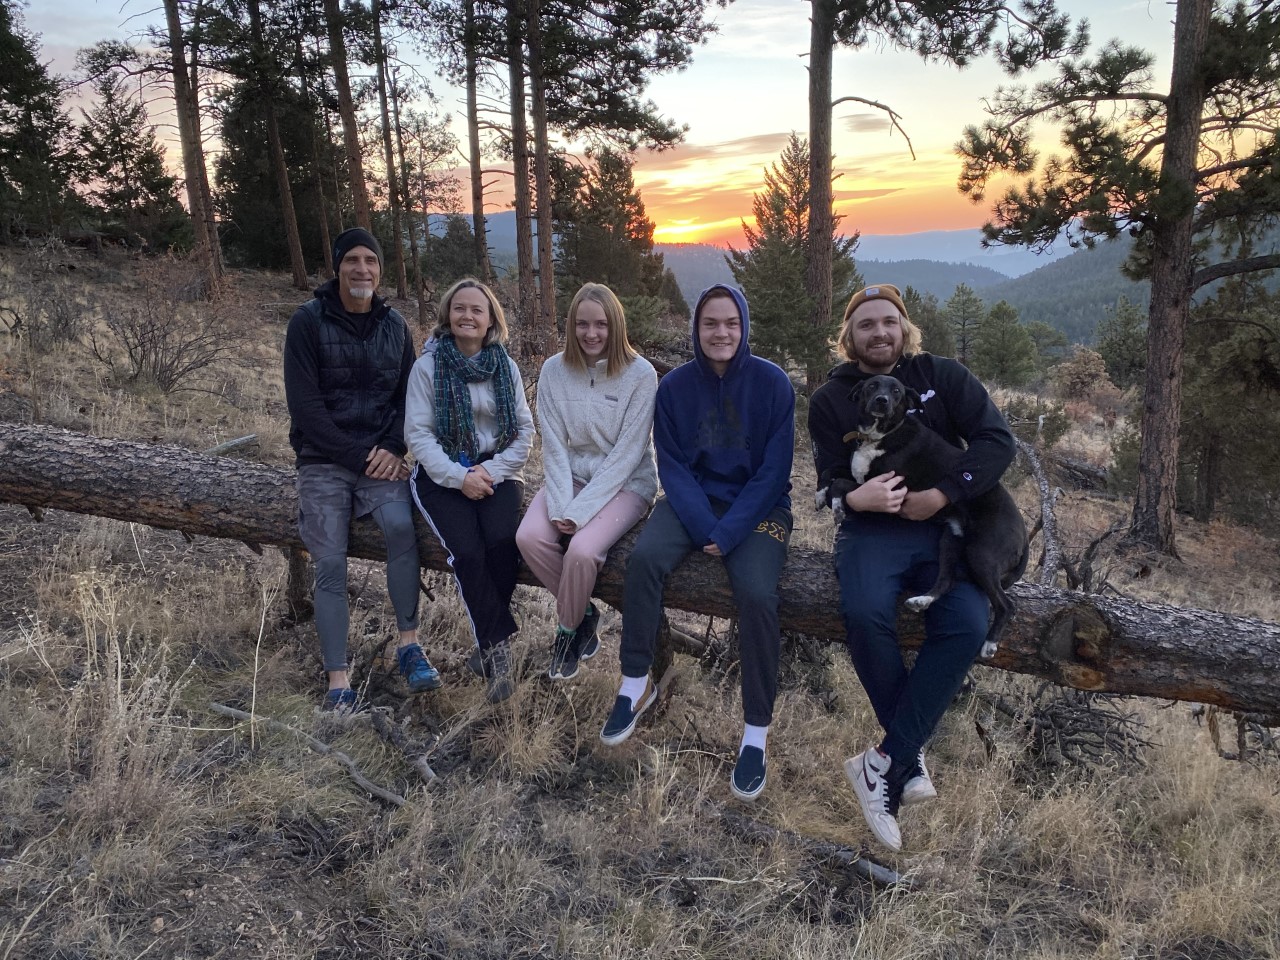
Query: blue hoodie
(724, 444)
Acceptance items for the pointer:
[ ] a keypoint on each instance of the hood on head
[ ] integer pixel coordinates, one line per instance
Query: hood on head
(719, 289)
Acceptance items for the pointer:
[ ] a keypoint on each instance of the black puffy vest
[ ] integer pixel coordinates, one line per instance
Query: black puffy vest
(358, 376)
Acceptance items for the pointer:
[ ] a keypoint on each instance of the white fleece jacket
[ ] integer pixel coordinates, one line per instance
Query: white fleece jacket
(597, 431)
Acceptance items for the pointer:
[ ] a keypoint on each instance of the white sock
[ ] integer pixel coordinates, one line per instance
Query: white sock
(753, 737)
(633, 688)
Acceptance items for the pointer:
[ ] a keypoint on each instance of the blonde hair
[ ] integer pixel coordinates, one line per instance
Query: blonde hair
(497, 332)
(912, 339)
(618, 350)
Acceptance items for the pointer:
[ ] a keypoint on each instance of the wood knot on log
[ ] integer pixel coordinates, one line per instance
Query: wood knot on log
(1075, 642)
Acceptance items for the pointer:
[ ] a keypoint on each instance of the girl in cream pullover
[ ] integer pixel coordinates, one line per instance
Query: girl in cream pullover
(595, 411)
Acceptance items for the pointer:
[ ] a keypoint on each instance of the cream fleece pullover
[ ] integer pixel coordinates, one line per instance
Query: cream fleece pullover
(597, 431)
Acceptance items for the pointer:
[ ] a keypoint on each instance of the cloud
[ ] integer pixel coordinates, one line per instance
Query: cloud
(867, 122)
(840, 195)
(757, 145)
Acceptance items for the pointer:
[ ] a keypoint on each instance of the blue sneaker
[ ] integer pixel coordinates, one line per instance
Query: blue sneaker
(343, 700)
(749, 775)
(417, 670)
(588, 638)
(622, 720)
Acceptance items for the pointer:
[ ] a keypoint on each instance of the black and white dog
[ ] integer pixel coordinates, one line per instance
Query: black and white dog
(988, 531)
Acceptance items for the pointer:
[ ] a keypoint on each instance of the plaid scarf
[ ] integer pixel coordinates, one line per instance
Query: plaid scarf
(455, 424)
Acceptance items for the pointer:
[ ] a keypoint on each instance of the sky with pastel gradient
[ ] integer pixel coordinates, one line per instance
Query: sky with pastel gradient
(743, 95)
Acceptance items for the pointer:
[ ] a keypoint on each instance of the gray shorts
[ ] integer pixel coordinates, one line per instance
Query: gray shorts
(330, 495)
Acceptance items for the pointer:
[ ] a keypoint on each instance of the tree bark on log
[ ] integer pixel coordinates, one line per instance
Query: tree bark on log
(1085, 641)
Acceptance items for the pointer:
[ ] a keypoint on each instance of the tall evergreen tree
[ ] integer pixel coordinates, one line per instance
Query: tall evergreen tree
(771, 270)
(1003, 351)
(37, 150)
(129, 186)
(1171, 166)
(604, 233)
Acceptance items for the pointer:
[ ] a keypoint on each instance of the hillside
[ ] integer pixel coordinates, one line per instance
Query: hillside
(137, 818)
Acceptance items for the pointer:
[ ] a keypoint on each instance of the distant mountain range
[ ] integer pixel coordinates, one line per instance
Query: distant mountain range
(1071, 290)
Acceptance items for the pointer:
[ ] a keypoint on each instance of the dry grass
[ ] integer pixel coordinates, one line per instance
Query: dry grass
(133, 822)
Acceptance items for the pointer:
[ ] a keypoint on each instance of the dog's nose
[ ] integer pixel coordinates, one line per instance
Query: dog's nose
(879, 403)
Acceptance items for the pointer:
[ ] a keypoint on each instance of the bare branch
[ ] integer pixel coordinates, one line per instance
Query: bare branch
(894, 116)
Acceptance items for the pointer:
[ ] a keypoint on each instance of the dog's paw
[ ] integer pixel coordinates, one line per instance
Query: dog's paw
(988, 650)
(919, 604)
(838, 510)
(821, 498)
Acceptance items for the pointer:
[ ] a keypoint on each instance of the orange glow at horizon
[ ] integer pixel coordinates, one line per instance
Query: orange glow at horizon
(907, 210)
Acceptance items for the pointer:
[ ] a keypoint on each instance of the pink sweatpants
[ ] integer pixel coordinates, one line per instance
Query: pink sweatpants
(571, 573)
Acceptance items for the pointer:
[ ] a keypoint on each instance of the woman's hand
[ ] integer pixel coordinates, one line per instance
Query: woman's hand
(882, 494)
(477, 484)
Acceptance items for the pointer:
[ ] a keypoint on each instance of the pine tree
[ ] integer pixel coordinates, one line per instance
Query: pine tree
(771, 270)
(37, 155)
(1173, 167)
(964, 311)
(1003, 351)
(925, 312)
(1122, 341)
(130, 188)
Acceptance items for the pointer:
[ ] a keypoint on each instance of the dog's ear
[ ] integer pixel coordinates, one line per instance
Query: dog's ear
(858, 391)
(913, 400)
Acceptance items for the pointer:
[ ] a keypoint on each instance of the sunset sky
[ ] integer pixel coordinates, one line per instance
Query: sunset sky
(743, 95)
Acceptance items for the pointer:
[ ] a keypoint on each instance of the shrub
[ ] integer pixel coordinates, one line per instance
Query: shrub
(164, 345)
(1035, 419)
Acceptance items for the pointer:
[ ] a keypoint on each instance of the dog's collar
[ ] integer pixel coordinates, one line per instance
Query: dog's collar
(856, 435)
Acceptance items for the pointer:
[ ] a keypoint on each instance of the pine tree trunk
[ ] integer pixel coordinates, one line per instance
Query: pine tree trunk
(278, 162)
(393, 189)
(1171, 287)
(347, 109)
(407, 201)
(473, 145)
(1208, 473)
(202, 170)
(316, 154)
(543, 332)
(820, 248)
(192, 153)
(527, 306)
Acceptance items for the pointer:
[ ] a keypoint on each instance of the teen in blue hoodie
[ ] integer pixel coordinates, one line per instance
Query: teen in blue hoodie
(724, 431)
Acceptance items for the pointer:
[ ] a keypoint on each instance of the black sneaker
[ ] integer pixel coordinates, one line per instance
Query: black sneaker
(564, 655)
(622, 720)
(417, 670)
(749, 774)
(497, 666)
(588, 637)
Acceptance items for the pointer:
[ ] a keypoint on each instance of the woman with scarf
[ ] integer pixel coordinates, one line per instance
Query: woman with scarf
(468, 425)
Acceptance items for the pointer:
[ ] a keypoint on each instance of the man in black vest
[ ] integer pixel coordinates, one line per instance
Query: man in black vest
(347, 357)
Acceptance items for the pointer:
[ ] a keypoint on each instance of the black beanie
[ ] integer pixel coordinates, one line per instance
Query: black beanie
(354, 237)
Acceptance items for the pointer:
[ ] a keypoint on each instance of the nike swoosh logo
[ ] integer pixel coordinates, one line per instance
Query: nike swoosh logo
(867, 780)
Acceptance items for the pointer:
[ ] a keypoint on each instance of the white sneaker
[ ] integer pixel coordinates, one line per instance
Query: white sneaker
(920, 787)
(866, 773)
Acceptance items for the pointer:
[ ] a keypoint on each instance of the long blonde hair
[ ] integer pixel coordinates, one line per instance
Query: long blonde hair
(912, 338)
(618, 350)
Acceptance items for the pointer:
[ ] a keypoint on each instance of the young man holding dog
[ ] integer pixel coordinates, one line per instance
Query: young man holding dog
(889, 541)
(347, 357)
(724, 433)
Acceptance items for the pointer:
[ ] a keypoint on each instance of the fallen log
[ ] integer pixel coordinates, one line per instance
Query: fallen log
(1085, 641)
